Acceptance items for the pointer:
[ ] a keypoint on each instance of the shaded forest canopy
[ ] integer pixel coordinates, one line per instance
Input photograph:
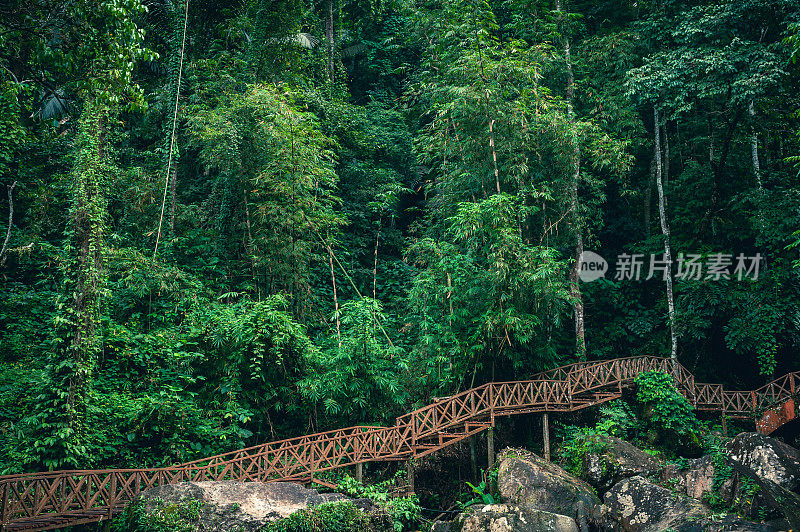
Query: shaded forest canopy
(227, 222)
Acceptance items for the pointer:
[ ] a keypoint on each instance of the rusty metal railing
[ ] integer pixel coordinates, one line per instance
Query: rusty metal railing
(42, 501)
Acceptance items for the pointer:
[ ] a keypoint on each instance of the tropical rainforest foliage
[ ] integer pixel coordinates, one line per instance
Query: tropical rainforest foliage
(240, 220)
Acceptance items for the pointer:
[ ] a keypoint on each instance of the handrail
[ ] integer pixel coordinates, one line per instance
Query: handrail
(41, 501)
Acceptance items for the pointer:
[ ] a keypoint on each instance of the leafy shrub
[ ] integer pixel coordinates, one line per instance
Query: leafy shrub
(327, 517)
(667, 408)
(482, 495)
(617, 419)
(176, 517)
(405, 511)
(575, 449)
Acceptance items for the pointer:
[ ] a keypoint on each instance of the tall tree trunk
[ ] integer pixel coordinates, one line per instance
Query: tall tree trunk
(754, 147)
(666, 156)
(329, 34)
(4, 250)
(492, 146)
(173, 185)
(662, 212)
(171, 176)
(335, 300)
(575, 289)
(648, 196)
(174, 151)
(375, 264)
(756, 163)
(251, 246)
(84, 270)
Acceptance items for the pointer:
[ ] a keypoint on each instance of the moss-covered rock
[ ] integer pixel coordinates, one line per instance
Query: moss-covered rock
(511, 518)
(248, 507)
(617, 461)
(638, 505)
(525, 479)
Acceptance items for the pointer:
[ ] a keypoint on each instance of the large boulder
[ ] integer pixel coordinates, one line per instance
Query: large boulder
(511, 518)
(441, 526)
(767, 457)
(525, 479)
(244, 506)
(638, 505)
(731, 523)
(617, 461)
(695, 478)
(770, 494)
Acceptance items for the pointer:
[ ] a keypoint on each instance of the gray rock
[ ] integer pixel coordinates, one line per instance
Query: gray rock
(619, 460)
(695, 481)
(638, 505)
(511, 518)
(441, 526)
(525, 479)
(244, 506)
(767, 457)
(731, 523)
(771, 494)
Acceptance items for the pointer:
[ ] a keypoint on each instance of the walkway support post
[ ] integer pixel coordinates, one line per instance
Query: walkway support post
(546, 436)
(490, 447)
(4, 508)
(410, 475)
(360, 472)
(473, 458)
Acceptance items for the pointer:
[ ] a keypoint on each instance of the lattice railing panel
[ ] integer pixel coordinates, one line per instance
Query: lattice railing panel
(46, 500)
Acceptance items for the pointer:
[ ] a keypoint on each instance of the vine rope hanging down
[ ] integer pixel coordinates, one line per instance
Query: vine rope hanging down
(174, 126)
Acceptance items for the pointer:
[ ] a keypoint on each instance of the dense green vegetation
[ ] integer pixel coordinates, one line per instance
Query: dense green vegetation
(240, 220)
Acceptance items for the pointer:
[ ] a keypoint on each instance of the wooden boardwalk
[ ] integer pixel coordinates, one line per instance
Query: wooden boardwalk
(42, 501)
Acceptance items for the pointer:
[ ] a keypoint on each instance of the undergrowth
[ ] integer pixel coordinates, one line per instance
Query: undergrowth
(163, 517)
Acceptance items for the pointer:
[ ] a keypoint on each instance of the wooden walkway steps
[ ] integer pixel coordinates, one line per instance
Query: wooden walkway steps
(42, 501)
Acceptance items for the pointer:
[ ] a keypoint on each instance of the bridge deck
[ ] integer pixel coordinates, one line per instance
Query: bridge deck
(42, 501)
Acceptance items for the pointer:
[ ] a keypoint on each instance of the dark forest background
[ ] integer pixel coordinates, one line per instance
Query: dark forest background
(237, 221)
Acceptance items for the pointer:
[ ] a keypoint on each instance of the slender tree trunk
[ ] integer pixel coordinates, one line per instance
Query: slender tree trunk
(756, 163)
(4, 250)
(450, 298)
(754, 147)
(375, 264)
(666, 156)
(662, 212)
(173, 185)
(473, 458)
(335, 300)
(170, 178)
(575, 289)
(648, 196)
(251, 247)
(329, 32)
(492, 146)
(580, 337)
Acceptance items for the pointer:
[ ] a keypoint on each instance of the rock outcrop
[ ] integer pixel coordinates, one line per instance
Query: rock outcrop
(770, 494)
(540, 496)
(694, 480)
(638, 505)
(511, 518)
(767, 457)
(618, 461)
(524, 479)
(244, 506)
